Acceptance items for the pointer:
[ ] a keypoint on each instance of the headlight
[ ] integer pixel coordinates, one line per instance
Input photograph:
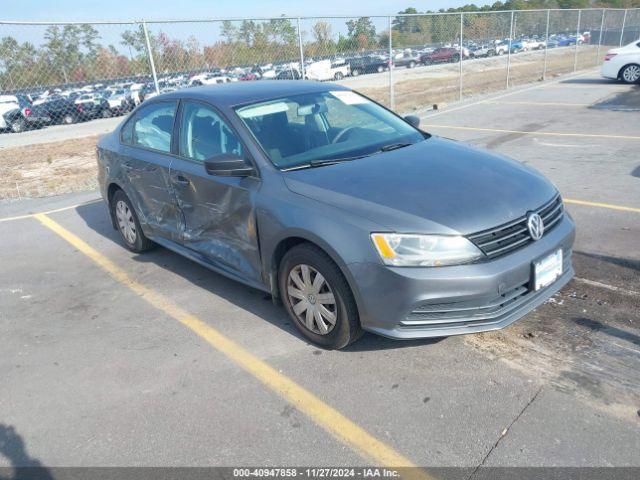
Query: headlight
(424, 250)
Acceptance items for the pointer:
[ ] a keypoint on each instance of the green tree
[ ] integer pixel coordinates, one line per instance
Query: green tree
(229, 31)
(361, 32)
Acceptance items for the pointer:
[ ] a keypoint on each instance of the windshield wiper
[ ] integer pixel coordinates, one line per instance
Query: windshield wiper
(322, 163)
(394, 146)
(331, 161)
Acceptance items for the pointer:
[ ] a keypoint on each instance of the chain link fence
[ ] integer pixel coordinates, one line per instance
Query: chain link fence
(467, 53)
(72, 72)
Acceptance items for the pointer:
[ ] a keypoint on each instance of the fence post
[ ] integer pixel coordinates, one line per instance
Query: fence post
(150, 55)
(546, 47)
(302, 69)
(13, 84)
(461, 56)
(624, 22)
(392, 100)
(575, 57)
(509, 52)
(600, 36)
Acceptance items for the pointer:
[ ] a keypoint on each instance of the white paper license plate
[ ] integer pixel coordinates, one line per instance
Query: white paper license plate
(547, 270)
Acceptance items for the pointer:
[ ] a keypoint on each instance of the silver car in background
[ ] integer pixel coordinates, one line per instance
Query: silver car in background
(352, 217)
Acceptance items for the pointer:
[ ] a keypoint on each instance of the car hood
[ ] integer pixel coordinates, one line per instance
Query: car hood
(435, 186)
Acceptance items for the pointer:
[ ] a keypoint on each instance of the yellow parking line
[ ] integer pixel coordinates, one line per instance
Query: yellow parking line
(544, 104)
(524, 132)
(30, 215)
(602, 205)
(324, 415)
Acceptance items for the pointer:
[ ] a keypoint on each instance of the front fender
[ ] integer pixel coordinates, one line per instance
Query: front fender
(340, 234)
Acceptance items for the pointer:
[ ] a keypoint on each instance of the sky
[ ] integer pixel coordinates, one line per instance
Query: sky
(87, 10)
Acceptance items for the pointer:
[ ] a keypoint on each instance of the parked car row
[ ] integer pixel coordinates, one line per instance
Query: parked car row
(56, 106)
(100, 100)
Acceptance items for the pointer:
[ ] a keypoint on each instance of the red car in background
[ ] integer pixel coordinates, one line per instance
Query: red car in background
(443, 55)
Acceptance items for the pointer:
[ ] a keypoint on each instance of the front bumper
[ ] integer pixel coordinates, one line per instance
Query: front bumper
(406, 303)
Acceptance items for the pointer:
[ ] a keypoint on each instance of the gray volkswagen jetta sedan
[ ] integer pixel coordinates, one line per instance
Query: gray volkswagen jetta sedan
(351, 216)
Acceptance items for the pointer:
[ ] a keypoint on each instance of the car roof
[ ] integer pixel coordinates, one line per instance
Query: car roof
(240, 93)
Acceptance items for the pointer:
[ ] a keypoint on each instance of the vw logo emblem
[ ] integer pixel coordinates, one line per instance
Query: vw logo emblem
(535, 226)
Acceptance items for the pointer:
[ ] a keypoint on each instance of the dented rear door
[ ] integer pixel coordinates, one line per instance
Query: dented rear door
(145, 157)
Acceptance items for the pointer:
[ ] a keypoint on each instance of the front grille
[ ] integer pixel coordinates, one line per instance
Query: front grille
(511, 236)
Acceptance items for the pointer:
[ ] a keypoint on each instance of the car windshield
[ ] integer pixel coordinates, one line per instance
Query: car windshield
(302, 130)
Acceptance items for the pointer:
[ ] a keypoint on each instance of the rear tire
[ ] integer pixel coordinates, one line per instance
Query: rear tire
(338, 76)
(126, 221)
(380, 69)
(630, 73)
(18, 125)
(68, 119)
(338, 302)
(355, 72)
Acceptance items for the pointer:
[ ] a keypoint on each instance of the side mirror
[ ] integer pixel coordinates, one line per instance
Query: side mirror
(228, 165)
(413, 120)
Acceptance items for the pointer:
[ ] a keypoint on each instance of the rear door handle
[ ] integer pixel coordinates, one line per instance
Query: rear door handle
(181, 180)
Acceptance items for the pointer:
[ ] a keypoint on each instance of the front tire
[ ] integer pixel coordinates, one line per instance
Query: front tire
(318, 298)
(630, 74)
(128, 225)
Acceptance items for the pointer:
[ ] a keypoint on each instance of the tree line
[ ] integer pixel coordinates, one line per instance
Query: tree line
(75, 53)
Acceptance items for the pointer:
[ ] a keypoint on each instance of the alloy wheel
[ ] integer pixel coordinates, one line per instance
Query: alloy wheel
(125, 222)
(311, 299)
(17, 126)
(631, 74)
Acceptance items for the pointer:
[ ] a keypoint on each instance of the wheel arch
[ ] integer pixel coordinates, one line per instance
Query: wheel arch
(111, 191)
(637, 64)
(296, 237)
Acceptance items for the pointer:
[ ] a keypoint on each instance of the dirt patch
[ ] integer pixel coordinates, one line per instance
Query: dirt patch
(48, 168)
(417, 90)
(585, 341)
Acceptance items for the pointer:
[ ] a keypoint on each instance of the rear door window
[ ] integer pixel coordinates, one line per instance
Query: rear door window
(151, 127)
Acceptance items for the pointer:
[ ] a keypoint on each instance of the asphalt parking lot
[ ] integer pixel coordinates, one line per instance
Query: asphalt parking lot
(116, 359)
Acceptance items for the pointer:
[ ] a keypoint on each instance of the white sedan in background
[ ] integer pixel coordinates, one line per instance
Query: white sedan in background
(623, 63)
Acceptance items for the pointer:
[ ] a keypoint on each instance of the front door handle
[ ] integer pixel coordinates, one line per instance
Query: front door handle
(181, 180)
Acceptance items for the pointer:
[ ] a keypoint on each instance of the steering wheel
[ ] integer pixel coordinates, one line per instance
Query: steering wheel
(342, 133)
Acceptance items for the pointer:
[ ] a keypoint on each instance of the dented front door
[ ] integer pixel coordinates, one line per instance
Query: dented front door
(218, 217)
(218, 212)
